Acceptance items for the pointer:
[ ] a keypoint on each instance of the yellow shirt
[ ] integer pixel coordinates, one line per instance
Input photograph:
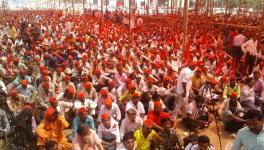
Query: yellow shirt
(197, 83)
(142, 142)
(126, 96)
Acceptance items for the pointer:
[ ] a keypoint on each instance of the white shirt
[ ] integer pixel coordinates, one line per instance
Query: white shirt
(2, 86)
(250, 46)
(246, 94)
(122, 146)
(127, 125)
(87, 103)
(139, 109)
(114, 129)
(239, 40)
(185, 76)
(114, 112)
(151, 105)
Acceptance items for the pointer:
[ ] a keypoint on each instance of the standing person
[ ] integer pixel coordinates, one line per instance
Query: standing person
(252, 136)
(237, 52)
(250, 49)
(183, 86)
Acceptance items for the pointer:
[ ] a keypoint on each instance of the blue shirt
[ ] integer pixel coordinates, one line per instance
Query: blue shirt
(249, 140)
(77, 122)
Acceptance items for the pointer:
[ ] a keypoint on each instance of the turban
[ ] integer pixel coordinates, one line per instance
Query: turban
(108, 102)
(24, 82)
(105, 116)
(53, 100)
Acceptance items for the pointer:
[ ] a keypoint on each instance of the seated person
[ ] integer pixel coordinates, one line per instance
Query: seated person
(225, 104)
(146, 136)
(26, 126)
(169, 136)
(231, 117)
(197, 80)
(196, 114)
(129, 142)
(15, 102)
(51, 129)
(82, 118)
(108, 131)
(86, 139)
(156, 115)
(131, 122)
(230, 88)
(154, 99)
(203, 144)
(51, 145)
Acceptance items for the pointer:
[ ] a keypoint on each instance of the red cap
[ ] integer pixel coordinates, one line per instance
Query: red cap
(261, 63)
(128, 80)
(234, 94)
(13, 93)
(166, 78)
(105, 116)
(59, 69)
(213, 81)
(224, 79)
(148, 123)
(24, 82)
(135, 95)
(53, 100)
(49, 112)
(45, 72)
(45, 79)
(111, 83)
(45, 85)
(87, 85)
(97, 71)
(27, 107)
(70, 91)
(157, 104)
(104, 92)
(80, 95)
(67, 78)
(82, 110)
(131, 86)
(147, 71)
(108, 102)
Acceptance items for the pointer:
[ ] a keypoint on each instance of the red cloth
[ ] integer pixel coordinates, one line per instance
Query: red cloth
(156, 118)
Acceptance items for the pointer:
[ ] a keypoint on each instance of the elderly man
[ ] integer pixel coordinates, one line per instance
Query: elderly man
(131, 122)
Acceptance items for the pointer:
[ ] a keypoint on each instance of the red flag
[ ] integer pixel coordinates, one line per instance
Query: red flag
(119, 3)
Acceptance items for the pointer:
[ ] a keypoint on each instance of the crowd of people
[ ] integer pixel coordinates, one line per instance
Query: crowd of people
(121, 88)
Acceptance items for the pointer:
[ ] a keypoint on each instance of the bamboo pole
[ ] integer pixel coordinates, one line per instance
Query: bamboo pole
(185, 30)
(207, 7)
(83, 5)
(262, 16)
(129, 24)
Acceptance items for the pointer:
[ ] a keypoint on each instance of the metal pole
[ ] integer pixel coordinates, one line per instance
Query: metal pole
(185, 30)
